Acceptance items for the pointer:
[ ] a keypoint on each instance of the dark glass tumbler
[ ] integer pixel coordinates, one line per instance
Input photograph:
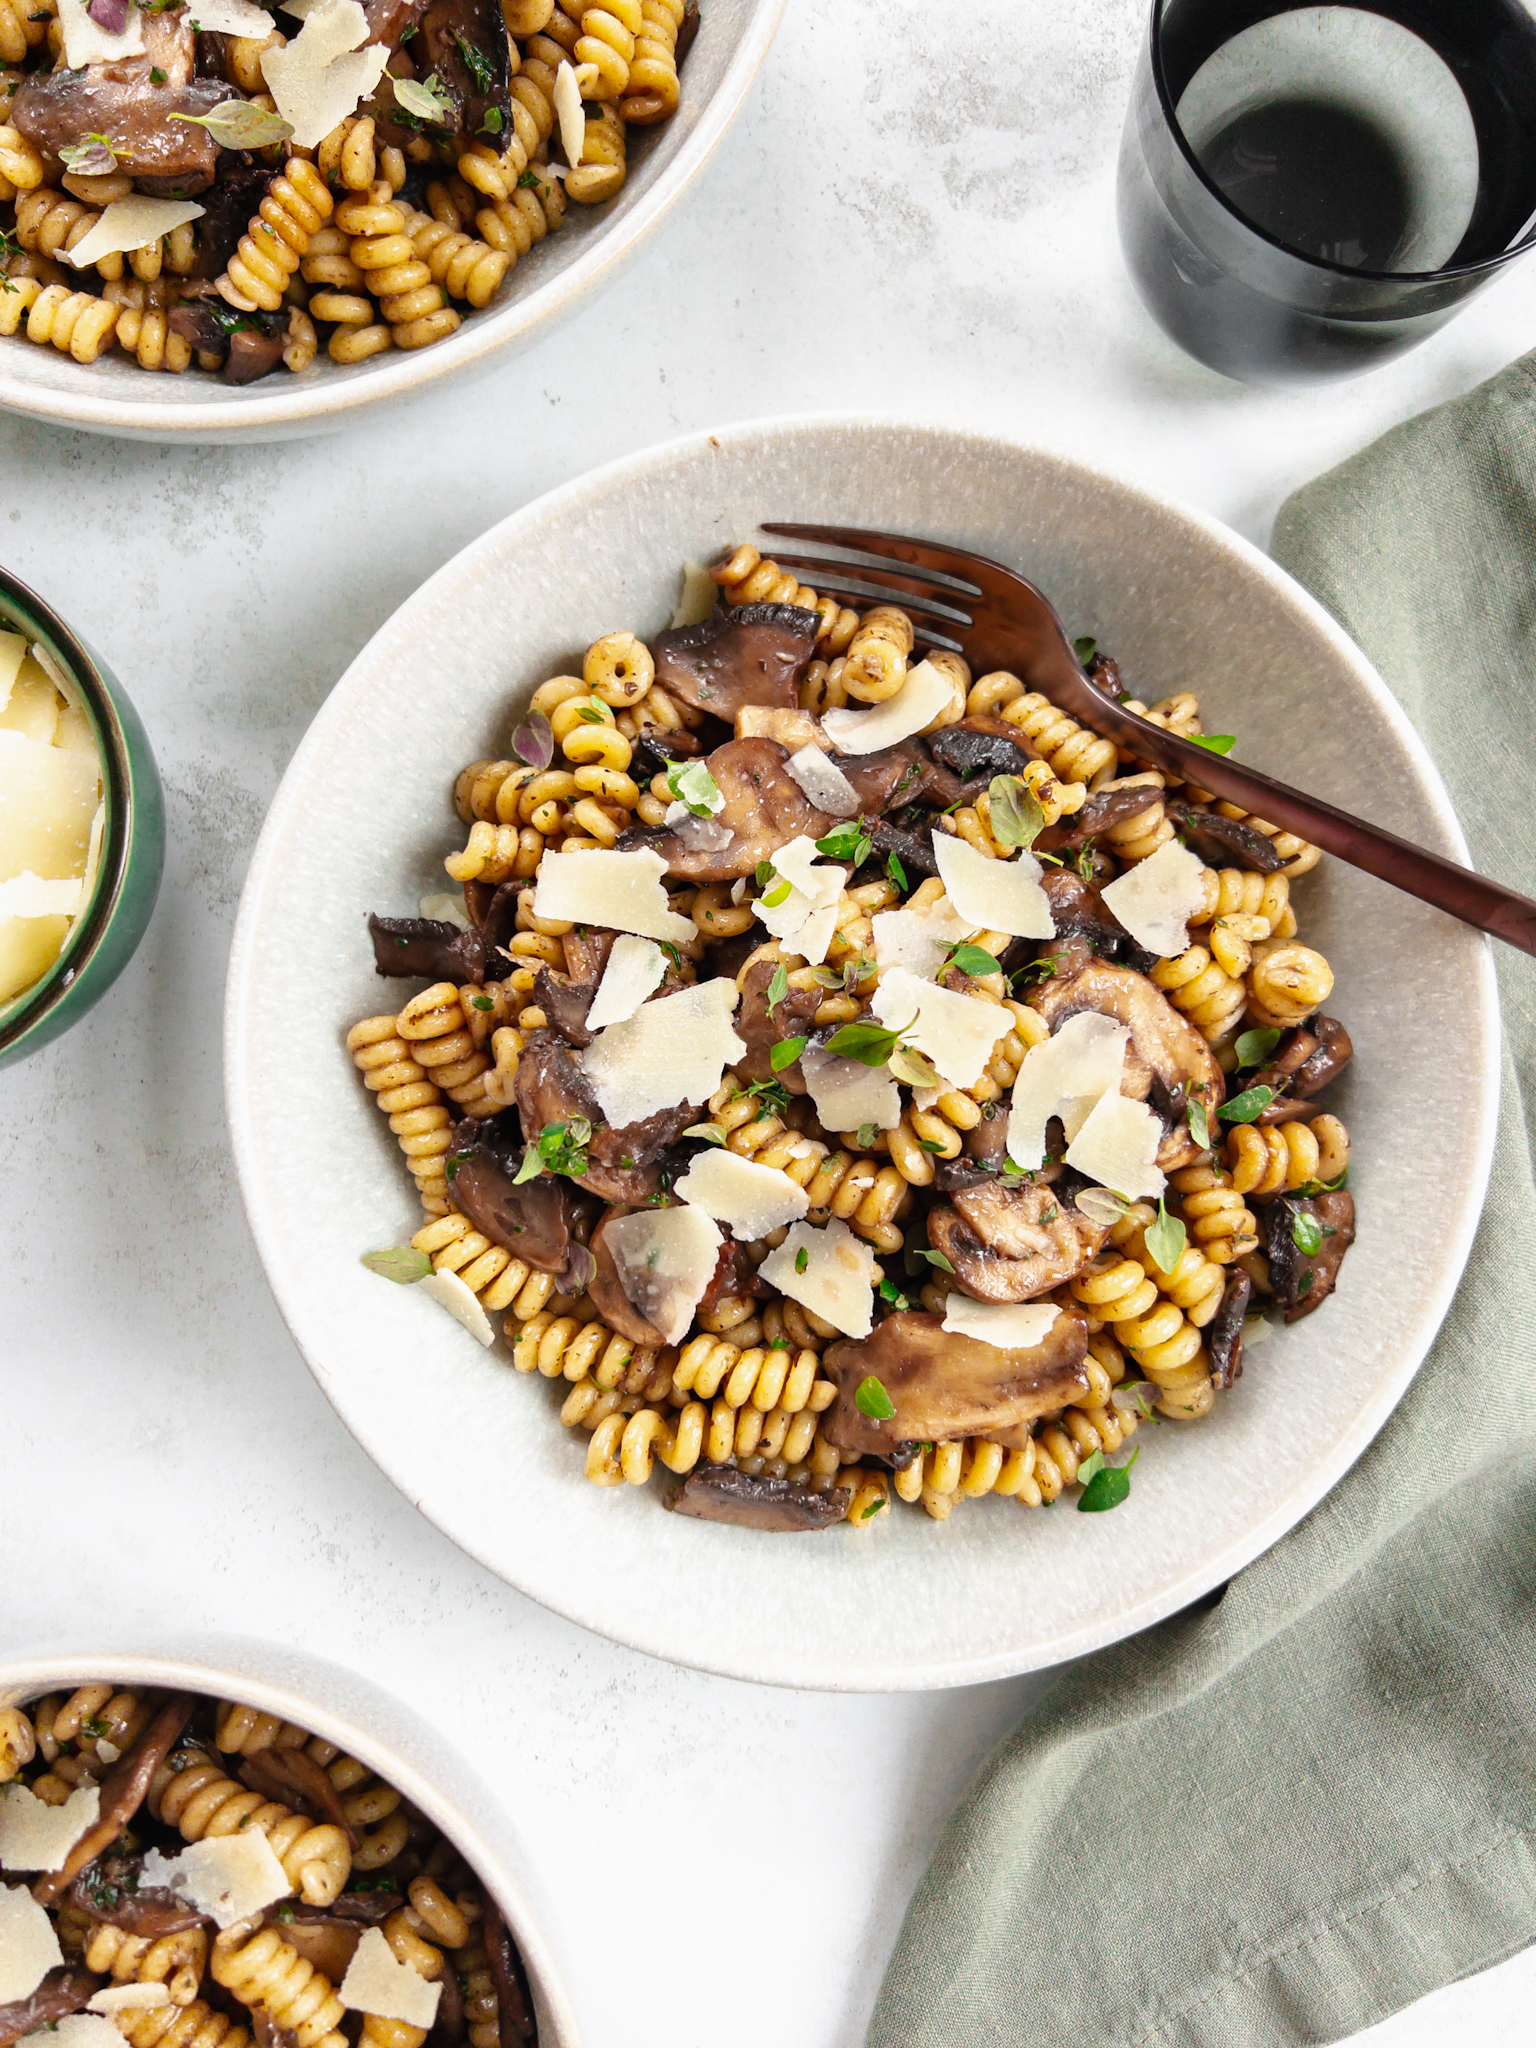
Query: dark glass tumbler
(1306, 192)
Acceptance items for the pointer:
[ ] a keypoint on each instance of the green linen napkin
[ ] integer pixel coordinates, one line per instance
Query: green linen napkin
(1284, 1818)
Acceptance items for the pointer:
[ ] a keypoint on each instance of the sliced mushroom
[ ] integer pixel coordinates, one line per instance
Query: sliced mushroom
(228, 206)
(719, 1493)
(1224, 1332)
(1304, 1062)
(1163, 1044)
(536, 1222)
(60, 1993)
(1012, 1243)
(753, 654)
(897, 776)
(464, 45)
(325, 1940)
(1303, 1281)
(640, 1304)
(111, 1890)
(943, 1385)
(427, 947)
(449, 2024)
(127, 101)
(296, 1781)
(911, 844)
(514, 2017)
(254, 352)
(792, 1018)
(623, 1165)
(1109, 807)
(764, 807)
(1079, 911)
(122, 1794)
(1220, 841)
(981, 747)
(734, 1276)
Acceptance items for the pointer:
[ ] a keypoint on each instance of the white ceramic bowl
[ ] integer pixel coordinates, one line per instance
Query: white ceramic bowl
(362, 821)
(116, 397)
(360, 1719)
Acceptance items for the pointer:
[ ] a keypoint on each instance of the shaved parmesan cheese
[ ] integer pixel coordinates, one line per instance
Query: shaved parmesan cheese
(131, 224)
(86, 43)
(229, 1877)
(996, 895)
(847, 1093)
(670, 1051)
(376, 1983)
(834, 1281)
(446, 909)
(824, 782)
(128, 1998)
(461, 1302)
(314, 82)
(107, 1751)
(925, 693)
(13, 651)
(700, 595)
(665, 1259)
(1010, 1326)
(573, 122)
(1117, 1147)
(635, 967)
(620, 890)
(918, 939)
(750, 1200)
(38, 1837)
(28, 895)
(957, 1032)
(806, 919)
(231, 18)
(47, 796)
(1156, 899)
(82, 2030)
(1257, 1330)
(792, 729)
(29, 1947)
(1065, 1077)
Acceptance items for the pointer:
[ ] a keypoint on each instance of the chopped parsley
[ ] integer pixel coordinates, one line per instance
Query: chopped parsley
(802, 1259)
(561, 1148)
(1213, 742)
(692, 785)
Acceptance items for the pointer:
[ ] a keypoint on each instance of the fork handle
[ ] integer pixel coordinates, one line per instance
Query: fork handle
(1503, 913)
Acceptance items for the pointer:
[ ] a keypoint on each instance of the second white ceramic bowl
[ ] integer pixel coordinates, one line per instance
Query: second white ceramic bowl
(362, 822)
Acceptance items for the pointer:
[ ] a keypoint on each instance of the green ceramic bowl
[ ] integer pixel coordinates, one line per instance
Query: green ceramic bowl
(112, 923)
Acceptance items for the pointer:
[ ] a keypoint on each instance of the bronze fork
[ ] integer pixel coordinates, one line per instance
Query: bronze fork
(998, 620)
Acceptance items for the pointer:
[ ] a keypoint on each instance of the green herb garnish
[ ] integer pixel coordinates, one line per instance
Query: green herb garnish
(710, 1133)
(934, 1258)
(786, 1052)
(1199, 1124)
(874, 1507)
(778, 988)
(1213, 742)
(896, 871)
(1085, 648)
(870, 1044)
(1165, 1239)
(427, 98)
(848, 841)
(1107, 1485)
(400, 1262)
(692, 784)
(239, 124)
(1306, 1234)
(802, 1259)
(477, 63)
(865, 1137)
(1255, 1047)
(975, 961)
(776, 896)
(561, 1148)
(1242, 1109)
(872, 1400)
(1014, 810)
(492, 124)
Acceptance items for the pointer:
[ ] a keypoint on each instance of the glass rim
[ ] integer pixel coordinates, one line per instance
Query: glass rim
(1446, 274)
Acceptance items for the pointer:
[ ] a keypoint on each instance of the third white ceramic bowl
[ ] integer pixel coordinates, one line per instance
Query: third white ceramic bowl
(362, 821)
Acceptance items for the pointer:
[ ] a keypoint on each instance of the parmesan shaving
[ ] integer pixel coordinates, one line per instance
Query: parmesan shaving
(29, 1947)
(672, 1050)
(824, 782)
(925, 693)
(573, 122)
(445, 909)
(450, 1292)
(231, 18)
(228, 1877)
(1010, 1326)
(996, 895)
(805, 920)
(835, 1280)
(1064, 1077)
(34, 1836)
(314, 81)
(847, 1093)
(375, 1983)
(13, 652)
(128, 1998)
(129, 224)
(1156, 899)
(918, 939)
(1117, 1147)
(957, 1032)
(698, 598)
(665, 1260)
(750, 1200)
(621, 891)
(87, 43)
(28, 895)
(81, 2030)
(636, 967)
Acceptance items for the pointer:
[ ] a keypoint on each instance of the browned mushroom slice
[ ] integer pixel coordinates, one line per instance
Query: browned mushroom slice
(899, 775)
(1012, 1243)
(719, 1493)
(1163, 1046)
(1304, 1062)
(297, 1781)
(911, 844)
(132, 100)
(429, 947)
(944, 1385)
(764, 807)
(324, 1937)
(464, 45)
(254, 352)
(122, 1794)
(792, 1018)
(1303, 1280)
(535, 1222)
(1109, 807)
(1077, 911)
(1224, 1332)
(1220, 841)
(112, 1890)
(60, 1993)
(623, 1165)
(753, 654)
(628, 1295)
(978, 748)
(514, 2016)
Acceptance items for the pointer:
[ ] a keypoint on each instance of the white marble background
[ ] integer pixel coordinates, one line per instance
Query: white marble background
(915, 212)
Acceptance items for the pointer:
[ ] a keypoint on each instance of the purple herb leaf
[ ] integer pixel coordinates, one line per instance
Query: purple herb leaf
(534, 742)
(110, 15)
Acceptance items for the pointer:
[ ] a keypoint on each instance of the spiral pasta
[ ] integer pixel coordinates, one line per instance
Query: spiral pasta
(277, 238)
(412, 1102)
(203, 1803)
(1299, 855)
(1271, 1161)
(180, 2026)
(1286, 983)
(18, 1742)
(653, 87)
(175, 1960)
(746, 578)
(497, 1280)
(1117, 1291)
(261, 1968)
(75, 323)
(1074, 753)
(1217, 1217)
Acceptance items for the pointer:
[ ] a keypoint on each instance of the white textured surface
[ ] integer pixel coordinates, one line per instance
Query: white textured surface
(894, 222)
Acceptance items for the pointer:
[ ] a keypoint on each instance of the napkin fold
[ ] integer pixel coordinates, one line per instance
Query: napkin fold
(1283, 1818)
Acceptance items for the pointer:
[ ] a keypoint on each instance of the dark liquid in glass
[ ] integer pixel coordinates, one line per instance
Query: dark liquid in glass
(1324, 185)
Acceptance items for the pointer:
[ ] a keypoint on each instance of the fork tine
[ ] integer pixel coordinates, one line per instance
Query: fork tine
(952, 563)
(920, 595)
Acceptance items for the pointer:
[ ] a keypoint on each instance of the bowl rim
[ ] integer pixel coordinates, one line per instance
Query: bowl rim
(91, 925)
(462, 573)
(177, 1668)
(325, 404)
